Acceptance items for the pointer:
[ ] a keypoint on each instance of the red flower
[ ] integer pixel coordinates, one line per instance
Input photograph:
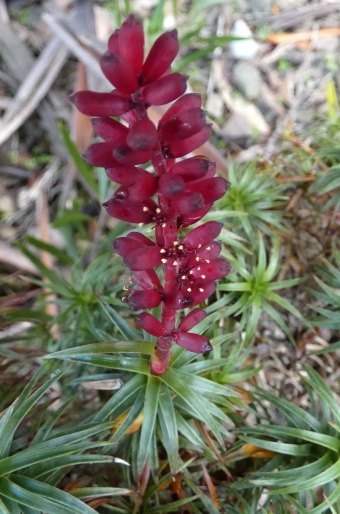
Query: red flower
(139, 252)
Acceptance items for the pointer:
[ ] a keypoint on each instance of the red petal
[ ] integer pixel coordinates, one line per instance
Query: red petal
(170, 184)
(211, 188)
(125, 175)
(202, 235)
(144, 300)
(165, 89)
(142, 135)
(135, 240)
(210, 251)
(100, 154)
(131, 42)
(193, 168)
(188, 101)
(143, 240)
(148, 279)
(182, 125)
(185, 203)
(113, 43)
(132, 212)
(194, 296)
(161, 55)
(126, 155)
(143, 188)
(110, 130)
(142, 259)
(191, 218)
(192, 319)
(213, 270)
(101, 104)
(119, 72)
(193, 342)
(150, 324)
(184, 146)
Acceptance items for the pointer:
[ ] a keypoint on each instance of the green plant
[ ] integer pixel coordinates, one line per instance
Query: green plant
(307, 447)
(251, 289)
(256, 199)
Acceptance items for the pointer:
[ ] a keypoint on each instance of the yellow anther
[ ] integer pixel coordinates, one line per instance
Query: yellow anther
(207, 261)
(175, 263)
(164, 261)
(201, 290)
(145, 208)
(203, 276)
(158, 210)
(162, 250)
(189, 289)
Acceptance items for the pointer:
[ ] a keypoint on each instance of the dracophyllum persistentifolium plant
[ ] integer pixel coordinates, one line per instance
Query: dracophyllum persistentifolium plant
(175, 195)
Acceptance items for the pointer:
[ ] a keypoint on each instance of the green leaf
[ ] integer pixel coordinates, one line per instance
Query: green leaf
(189, 432)
(134, 364)
(80, 163)
(313, 437)
(49, 449)
(292, 475)
(149, 420)
(320, 386)
(299, 417)
(22, 407)
(196, 402)
(120, 323)
(285, 448)
(168, 424)
(97, 492)
(132, 414)
(4, 509)
(62, 256)
(140, 347)
(121, 398)
(330, 474)
(42, 496)
(68, 218)
(175, 506)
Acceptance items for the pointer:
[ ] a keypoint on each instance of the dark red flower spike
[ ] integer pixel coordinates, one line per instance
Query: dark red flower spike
(177, 194)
